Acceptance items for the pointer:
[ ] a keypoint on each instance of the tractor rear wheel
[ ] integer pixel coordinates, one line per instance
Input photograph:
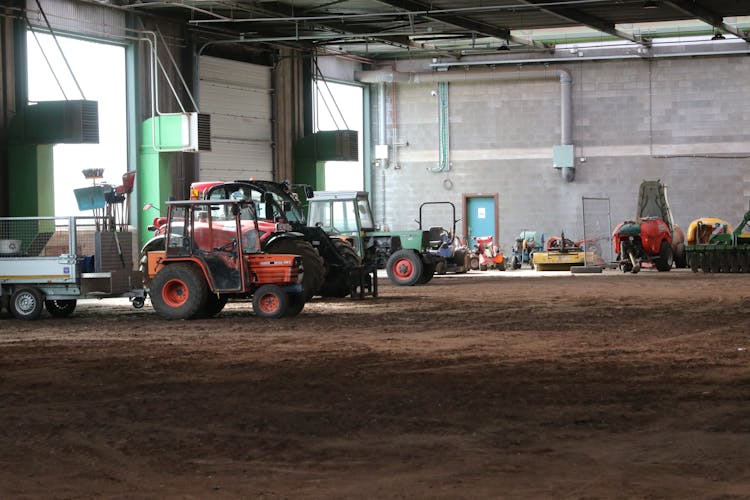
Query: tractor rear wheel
(337, 281)
(179, 291)
(60, 308)
(428, 271)
(26, 303)
(214, 305)
(296, 304)
(314, 270)
(404, 268)
(270, 301)
(665, 257)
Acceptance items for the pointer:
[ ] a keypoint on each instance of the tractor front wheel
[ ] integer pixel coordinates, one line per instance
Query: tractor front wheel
(270, 301)
(404, 268)
(179, 291)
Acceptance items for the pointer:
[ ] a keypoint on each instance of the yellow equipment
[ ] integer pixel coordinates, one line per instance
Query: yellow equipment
(701, 230)
(560, 254)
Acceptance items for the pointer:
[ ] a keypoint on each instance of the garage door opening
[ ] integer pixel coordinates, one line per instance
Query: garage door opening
(99, 69)
(339, 106)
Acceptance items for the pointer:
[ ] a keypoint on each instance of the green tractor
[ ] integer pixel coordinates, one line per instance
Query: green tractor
(347, 215)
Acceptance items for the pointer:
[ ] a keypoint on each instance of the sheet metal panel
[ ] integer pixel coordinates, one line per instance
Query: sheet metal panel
(238, 97)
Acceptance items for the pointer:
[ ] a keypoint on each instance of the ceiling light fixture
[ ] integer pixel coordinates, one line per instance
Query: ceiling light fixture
(718, 36)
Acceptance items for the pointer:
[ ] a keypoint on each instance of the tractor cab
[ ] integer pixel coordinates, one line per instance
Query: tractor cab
(344, 214)
(212, 253)
(217, 234)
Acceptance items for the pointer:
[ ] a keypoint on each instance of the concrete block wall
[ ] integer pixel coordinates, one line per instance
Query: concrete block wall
(682, 120)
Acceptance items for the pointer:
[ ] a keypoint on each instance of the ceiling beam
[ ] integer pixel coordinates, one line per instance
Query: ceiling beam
(461, 22)
(707, 16)
(578, 17)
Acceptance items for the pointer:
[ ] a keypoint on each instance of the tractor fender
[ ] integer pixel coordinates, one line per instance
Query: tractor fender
(155, 243)
(277, 236)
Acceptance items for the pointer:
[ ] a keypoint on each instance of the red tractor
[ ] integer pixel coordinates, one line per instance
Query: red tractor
(652, 238)
(278, 218)
(212, 254)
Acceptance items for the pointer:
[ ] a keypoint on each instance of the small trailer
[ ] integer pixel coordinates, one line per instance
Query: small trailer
(52, 262)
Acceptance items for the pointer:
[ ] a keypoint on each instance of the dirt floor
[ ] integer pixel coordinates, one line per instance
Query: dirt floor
(477, 386)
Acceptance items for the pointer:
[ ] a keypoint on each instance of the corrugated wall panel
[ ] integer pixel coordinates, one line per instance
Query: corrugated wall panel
(251, 76)
(79, 18)
(236, 160)
(238, 97)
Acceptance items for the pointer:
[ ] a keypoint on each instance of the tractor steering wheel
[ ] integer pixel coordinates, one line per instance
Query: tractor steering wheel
(227, 247)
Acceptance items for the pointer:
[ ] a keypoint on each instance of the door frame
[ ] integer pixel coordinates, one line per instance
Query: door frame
(464, 214)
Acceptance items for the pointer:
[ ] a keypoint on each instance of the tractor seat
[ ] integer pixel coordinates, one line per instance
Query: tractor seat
(435, 235)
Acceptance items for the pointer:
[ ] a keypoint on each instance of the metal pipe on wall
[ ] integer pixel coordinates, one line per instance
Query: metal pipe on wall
(502, 73)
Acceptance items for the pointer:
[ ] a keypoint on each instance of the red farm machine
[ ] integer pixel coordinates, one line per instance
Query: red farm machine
(212, 253)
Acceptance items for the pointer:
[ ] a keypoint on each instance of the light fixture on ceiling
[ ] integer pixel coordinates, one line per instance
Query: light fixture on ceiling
(718, 36)
(650, 4)
(503, 47)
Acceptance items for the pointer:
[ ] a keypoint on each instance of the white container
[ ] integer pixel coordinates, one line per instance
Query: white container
(10, 247)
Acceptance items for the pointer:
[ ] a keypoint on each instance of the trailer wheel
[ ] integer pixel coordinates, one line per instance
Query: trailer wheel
(404, 268)
(26, 303)
(60, 308)
(179, 291)
(270, 301)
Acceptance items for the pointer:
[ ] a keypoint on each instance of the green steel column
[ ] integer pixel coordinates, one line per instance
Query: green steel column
(154, 177)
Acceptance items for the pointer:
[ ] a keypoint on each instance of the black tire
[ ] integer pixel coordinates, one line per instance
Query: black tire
(473, 262)
(440, 267)
(270, 301)
(428, 272)
(179, 291)
(60, 308)
(665, 257)
(515, 262)
(461, 259)
(296, 304)
(404, 267)
(26, 303)
(337, 280)
(214, 305)
(314, 269)
(680, 259)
